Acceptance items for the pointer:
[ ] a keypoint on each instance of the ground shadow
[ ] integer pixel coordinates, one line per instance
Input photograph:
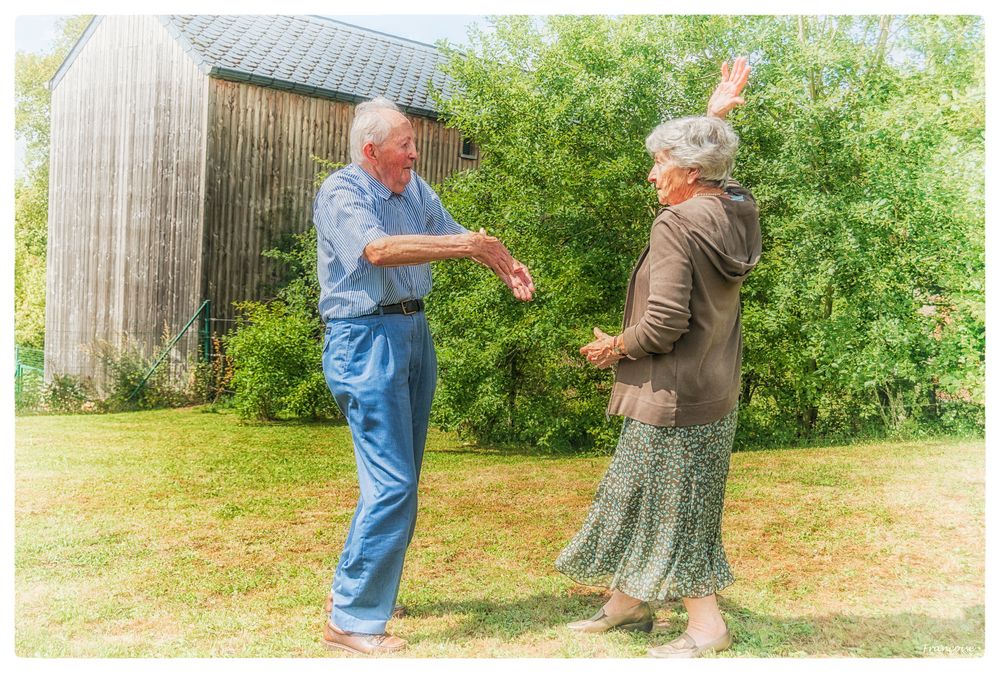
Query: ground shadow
(755, 634)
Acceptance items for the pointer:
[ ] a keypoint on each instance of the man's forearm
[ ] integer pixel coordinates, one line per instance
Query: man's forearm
(418, 249)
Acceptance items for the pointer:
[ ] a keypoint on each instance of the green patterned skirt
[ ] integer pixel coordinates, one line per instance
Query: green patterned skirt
(654, 530)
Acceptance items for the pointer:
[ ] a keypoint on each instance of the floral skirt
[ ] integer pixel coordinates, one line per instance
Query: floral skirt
(654, 530)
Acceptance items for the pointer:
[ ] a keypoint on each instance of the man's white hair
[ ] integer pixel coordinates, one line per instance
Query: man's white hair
(370, 125)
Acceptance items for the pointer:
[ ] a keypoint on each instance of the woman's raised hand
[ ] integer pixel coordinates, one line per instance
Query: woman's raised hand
(727, 94)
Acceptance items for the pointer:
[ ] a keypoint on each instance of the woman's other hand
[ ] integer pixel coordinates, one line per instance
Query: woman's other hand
(601, 352)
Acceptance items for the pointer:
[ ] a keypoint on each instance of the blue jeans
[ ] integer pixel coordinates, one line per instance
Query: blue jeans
(382, 372)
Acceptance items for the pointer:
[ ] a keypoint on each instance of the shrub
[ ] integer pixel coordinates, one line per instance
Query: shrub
(863, 141)
(277, 363)
(67, 394)
(28, 392)
(124, 366)
(211, 381)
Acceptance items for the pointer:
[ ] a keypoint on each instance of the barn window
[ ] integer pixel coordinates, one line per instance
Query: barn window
(469, 149)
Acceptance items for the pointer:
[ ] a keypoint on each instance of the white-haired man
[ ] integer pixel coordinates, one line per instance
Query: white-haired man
(379, 225)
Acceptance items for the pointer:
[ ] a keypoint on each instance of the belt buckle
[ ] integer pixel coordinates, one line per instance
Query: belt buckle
(402, 305)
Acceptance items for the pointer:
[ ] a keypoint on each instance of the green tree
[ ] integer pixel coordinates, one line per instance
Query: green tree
(32, 71)
(868, 217)
(559, 112)
(864, 151)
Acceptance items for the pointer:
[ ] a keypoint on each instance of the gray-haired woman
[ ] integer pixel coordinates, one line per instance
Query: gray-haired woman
(653, 531)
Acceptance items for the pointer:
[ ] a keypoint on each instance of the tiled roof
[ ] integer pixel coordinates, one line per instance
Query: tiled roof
(313, 56)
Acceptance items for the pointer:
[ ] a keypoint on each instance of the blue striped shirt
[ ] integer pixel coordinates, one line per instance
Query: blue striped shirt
(351, 210)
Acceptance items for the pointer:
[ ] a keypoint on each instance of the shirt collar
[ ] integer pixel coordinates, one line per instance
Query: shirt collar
(373, 184)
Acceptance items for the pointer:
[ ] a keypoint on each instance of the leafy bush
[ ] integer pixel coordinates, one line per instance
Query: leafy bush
(28, 391)
(276, 350)
(277, 363)
(210, 381)
(863, 141)
(67, 394)
(124, 366)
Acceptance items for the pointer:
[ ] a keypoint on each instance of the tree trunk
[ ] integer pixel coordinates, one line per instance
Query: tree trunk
(932, 401)
(809, 413)
(883, 41)
(749, 385)
(814, 92)
(515, 374)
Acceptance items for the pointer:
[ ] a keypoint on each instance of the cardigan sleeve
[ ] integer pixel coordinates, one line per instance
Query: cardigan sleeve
(668, 310)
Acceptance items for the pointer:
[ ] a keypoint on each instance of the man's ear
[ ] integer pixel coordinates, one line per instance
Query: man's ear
(368, 149)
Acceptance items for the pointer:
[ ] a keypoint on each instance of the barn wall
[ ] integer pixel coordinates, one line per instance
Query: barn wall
(261, 178)
(125, 194)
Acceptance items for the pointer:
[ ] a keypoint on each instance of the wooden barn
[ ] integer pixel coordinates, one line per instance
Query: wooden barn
(182, 147)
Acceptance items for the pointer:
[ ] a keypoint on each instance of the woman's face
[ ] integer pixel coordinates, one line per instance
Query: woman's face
(673, 184)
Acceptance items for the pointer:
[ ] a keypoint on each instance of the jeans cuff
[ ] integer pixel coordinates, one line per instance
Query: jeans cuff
(345, 622)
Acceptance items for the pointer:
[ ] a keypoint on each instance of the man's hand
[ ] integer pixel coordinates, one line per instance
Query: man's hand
(600, 351)
(727, 94)
(489, 251)
(520, 282)
(493, 254)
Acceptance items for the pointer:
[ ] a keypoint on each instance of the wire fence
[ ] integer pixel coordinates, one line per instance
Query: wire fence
(195, 351)
(29, 371)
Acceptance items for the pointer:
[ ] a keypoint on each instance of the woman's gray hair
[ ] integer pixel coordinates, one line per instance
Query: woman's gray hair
(370, 125)
(706, 143)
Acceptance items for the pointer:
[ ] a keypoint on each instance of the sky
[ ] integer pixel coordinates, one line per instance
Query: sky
(431, 20)
(36, 33)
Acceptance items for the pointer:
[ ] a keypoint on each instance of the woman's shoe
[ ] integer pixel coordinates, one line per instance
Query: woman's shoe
(685, 647)
(639, 618)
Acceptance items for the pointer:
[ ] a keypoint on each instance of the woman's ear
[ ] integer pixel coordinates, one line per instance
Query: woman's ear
(693, 175)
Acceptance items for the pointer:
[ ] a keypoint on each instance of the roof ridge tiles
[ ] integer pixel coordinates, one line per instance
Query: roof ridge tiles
(308, 52)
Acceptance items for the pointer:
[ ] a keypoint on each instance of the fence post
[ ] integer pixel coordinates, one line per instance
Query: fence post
(17, 371)
(206, 328)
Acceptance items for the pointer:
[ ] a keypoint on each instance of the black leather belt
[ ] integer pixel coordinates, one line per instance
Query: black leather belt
(408, 307)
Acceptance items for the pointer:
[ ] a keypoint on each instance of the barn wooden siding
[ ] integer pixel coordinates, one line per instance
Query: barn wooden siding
(261, 178)
(166, 185)
(125, 198)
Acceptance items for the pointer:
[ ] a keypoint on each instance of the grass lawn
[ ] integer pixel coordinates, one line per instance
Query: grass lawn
(182, 533)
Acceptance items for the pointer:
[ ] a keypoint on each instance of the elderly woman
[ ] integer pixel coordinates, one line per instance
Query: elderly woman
(653, 531)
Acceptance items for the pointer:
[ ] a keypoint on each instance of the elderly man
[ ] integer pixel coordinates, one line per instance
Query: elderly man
(378, 225)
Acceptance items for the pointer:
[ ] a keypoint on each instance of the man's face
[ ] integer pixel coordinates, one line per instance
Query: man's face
(394, 158)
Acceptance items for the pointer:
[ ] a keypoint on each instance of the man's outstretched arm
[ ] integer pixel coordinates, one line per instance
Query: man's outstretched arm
(487, 250)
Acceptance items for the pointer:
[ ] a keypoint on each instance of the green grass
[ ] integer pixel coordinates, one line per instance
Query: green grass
(177, 533)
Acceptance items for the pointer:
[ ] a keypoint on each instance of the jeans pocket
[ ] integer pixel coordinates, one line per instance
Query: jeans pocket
(336, 348)
(362, 335)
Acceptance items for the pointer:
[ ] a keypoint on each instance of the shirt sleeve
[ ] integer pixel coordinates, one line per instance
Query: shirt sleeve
(439, 221)
(347, 222)
(668, 312)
